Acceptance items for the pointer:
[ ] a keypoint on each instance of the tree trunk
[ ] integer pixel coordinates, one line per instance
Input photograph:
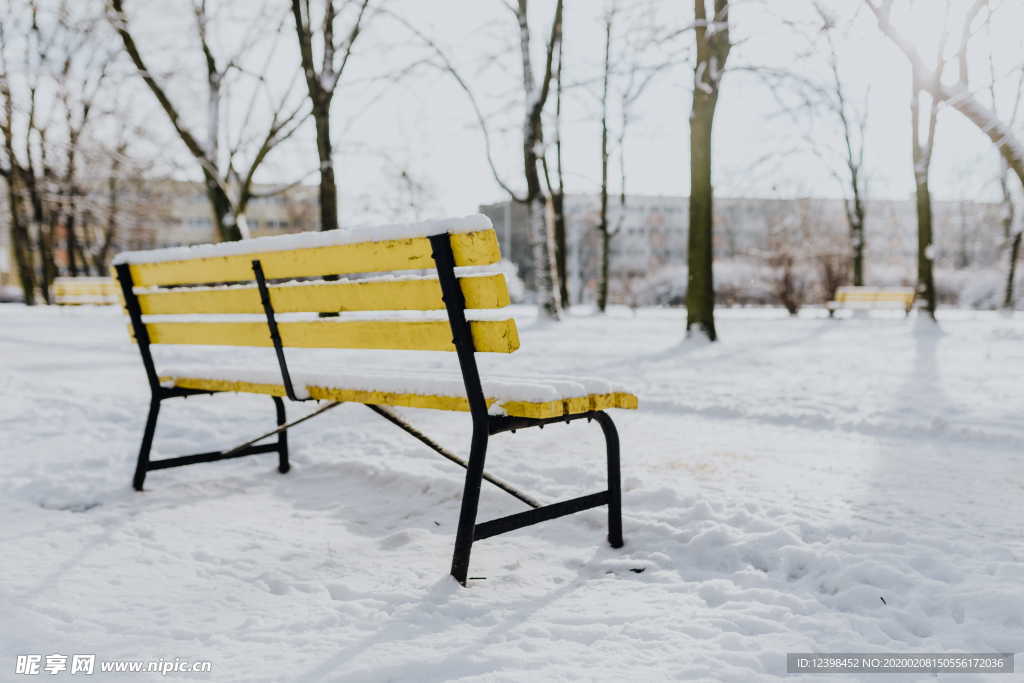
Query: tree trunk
(857, 236)
(21, 244)
(47, 269)
(71, 243)
(602, 226)
(712, 52)
(328, 187)
(1011, 272)
(700, 291)
(561, 246)
(925, 250)
(40, 231)
(545, 273)
(558, 194)
(220, 206)
(1012, 238)
(602, 284)
(102, 254)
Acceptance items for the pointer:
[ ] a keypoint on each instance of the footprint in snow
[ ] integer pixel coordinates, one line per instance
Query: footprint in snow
(396, 540)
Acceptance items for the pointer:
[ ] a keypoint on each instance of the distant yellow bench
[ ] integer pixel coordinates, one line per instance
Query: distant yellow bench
(75, 291)
(872, 298)
(233, 294)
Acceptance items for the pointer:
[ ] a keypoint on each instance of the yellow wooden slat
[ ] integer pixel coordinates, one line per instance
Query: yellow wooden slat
(541, 410)
(498, 336)
(72, 291)
(874, 296)
(626, 401)
(85, 288)
(478, 248)
(373, 295)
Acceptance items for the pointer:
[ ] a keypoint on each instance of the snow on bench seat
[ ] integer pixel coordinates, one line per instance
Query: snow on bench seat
(520, 396)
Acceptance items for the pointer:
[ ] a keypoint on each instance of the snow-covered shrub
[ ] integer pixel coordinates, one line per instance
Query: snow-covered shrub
(743, 283)
(516, 286)
(666, 286)
(982, 288)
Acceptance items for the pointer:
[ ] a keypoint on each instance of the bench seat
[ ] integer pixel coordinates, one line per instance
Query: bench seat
(539, 397)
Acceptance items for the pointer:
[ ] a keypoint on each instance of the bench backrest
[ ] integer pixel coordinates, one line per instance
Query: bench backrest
(870, 295)
(259, 276)
(219, 279)
(69, 291)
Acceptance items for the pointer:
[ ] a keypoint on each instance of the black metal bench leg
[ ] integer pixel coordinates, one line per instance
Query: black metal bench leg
(282, 437)
(147, 444)
(470, 503)
(611, 437)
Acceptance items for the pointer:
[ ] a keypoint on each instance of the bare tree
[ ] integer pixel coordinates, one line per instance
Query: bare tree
(627, 70)
(958, 95)
(51, 71)
(227, 180)
(852, 125)
(713, 46)
(805, 99)
(322, 82)
(536, 173)
(14, 174)
(1012, 232)
(81, 80)
(540, 212)
(556, 189)
(536, 96)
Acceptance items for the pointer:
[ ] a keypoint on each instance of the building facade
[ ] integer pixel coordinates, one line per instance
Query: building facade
(650, 234)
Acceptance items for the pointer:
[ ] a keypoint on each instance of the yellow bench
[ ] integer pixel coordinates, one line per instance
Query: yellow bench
(74, 291)
(872, 298)
(233, 294)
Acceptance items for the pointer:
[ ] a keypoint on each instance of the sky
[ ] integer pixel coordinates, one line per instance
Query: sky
(421, 127)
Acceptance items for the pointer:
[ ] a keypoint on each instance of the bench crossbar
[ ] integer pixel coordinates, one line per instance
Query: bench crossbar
(562, 508)
(210, 456)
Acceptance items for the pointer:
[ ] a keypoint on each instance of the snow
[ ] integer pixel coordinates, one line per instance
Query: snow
(776, 485)
(302, 240)
(501, 388)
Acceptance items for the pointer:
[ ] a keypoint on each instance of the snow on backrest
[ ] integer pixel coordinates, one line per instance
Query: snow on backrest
(316, 254)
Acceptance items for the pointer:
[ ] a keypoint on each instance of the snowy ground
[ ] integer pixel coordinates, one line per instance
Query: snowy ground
(777, 486)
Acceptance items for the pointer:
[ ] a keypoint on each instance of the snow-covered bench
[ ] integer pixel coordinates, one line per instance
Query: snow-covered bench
(872, 298)
(74, 291)
(246, 294)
